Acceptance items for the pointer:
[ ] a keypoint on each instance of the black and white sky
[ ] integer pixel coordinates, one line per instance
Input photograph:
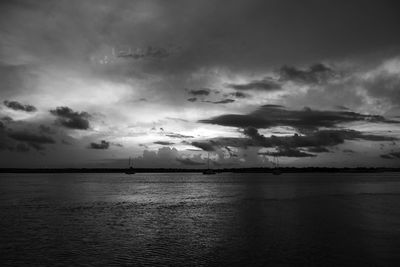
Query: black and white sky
(91, 83)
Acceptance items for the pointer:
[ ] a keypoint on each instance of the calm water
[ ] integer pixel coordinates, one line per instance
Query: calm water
(191, 219)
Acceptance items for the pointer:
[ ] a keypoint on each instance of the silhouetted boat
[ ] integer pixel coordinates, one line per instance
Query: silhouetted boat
(208, 171)
(130, 170)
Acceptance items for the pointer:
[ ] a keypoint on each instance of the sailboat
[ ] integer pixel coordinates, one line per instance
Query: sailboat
(208, 171)
(276, 170)
(130, 169)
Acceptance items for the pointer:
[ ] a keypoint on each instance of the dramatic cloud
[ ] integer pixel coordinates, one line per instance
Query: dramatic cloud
(340, 107)
(288, 146)
(263, 85)
(206, 146)
(271, 115)
(46, 129)
(384, 85)
(102, 145)
(392, 155)
(119, 69)
(163, 143)
(7, 119)
(200, 92)
(224, 101)
(34, 140)
(71, 119)
(317, 149)
(288, 152)
(316, 140)
(317, 73)
(18, 106)
(177, 135)
(239, 95)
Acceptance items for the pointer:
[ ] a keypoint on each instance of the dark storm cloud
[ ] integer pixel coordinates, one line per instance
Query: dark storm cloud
(26, 136)
(230, 152)
(177, 119)
(189, 162)
(291, 146)
(15, 105)
(71, 119)
(342, 107)
(271, 115)
(46, 129)
(317, 139)
(200, 92)
(206, 146)
(102, 145)
(239, 95)
(192, 99)
(262, 85)
(177, 135)
(306, 31)
(7, 119)
(34, 140)
(288, 152)
(163, 143)
(392, 155)
(317, 73)
(395, 154)
(384, 85)
(317, 149)
(224, 101)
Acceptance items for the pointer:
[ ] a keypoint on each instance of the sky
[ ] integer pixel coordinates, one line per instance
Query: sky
(173, 83)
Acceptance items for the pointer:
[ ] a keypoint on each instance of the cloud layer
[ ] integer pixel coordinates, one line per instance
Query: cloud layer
(244, 81)
(15, 105)
(71, 119)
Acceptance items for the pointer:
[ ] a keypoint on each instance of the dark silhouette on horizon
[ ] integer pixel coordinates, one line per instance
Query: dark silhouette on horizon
(220, 170)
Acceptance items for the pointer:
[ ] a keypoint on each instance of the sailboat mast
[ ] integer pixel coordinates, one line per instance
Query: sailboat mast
(208, 160)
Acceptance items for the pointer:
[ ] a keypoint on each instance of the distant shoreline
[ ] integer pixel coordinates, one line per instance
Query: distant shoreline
(175, 170)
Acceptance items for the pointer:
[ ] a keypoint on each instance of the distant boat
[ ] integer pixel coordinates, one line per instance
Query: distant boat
(130, 169)
(209, 171)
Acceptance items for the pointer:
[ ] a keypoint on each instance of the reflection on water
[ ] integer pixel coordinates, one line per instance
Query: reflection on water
(191, 219)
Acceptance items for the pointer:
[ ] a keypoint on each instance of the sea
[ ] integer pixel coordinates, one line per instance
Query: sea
(190, 219)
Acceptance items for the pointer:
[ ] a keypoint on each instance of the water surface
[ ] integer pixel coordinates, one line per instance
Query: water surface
(192, 219)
